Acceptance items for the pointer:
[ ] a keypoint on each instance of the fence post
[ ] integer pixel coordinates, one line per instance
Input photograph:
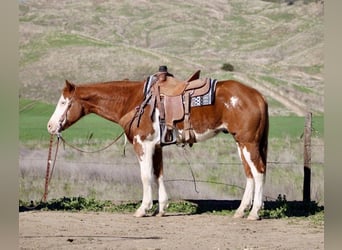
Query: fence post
(307, 158)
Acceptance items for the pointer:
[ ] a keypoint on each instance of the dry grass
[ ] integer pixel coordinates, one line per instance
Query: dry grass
(109, 175)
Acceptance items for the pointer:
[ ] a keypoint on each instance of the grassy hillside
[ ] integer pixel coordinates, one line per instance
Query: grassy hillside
(273, 46)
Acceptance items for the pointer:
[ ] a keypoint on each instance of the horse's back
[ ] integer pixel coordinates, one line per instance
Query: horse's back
(240, 90)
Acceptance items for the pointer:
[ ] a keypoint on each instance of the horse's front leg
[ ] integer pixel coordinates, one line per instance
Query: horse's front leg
(149, 153)
(158, 173)
(144, 151)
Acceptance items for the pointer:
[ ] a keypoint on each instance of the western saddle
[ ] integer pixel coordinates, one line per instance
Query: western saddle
(173, 98)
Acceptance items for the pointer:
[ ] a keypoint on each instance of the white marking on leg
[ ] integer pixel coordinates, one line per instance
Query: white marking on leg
(162, 195)
(146, 170)
(259, 185)
(146, 173)
(246, 199)
(239, 151)
(247, 195)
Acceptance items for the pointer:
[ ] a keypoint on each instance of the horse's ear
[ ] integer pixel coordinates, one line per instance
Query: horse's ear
(70, 86)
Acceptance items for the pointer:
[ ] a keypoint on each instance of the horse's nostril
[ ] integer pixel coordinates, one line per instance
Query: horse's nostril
(49, 127)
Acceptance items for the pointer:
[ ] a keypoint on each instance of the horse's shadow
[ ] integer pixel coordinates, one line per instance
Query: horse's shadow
(272, 209)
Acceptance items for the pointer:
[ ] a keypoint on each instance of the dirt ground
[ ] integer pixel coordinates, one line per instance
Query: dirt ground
(93, 230)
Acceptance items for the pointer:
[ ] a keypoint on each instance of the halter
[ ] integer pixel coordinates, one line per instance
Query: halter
(64, 115)
(63, 118)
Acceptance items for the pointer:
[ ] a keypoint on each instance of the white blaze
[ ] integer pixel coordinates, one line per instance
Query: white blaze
(56, 119)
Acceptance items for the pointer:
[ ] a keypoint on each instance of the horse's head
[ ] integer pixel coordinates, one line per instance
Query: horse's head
(67, 112)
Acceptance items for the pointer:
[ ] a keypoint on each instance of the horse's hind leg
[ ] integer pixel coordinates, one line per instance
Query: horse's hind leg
(254, 169)
(253, 158)
(247, 197)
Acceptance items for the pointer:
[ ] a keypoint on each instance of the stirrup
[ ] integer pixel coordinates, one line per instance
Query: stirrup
(166, 133)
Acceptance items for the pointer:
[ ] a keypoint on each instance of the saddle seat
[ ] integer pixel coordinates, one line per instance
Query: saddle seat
(174, 87)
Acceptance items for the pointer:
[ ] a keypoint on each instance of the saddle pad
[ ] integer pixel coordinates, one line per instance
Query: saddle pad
(206, 99)
(149, 82)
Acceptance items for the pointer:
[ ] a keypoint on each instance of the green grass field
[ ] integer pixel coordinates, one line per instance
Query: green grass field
(33, 118)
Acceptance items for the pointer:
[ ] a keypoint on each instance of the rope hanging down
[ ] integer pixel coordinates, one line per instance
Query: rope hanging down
(95, 151)
(48, 175)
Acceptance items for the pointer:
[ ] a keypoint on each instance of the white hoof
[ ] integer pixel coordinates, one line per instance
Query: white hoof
(161, 214)
(253, 217)
(139, 213)
(239, 215)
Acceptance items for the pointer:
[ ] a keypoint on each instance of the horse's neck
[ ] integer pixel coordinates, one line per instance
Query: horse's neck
(112, 101)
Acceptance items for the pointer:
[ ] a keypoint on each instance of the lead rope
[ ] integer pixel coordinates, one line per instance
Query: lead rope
(95, 151)
(54, 159)
(48, 175)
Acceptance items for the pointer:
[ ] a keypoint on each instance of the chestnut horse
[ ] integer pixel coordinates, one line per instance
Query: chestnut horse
(238, 109)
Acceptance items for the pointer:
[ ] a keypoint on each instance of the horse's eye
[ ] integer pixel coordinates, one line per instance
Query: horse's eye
(63, 102)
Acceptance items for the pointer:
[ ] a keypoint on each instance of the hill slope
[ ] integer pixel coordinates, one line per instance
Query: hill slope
(275, 47)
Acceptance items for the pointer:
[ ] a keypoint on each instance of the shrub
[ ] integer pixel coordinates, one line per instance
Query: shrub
(227, 67)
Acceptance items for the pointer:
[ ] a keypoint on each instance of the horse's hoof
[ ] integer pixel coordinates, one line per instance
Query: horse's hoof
(238, 215)
(139, 214)
(161, 214)
(253, 217)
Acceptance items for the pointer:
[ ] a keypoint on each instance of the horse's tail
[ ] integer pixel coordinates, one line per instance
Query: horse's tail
(264, 137)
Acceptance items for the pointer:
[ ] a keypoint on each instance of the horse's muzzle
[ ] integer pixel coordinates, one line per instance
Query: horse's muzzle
(55, 128)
